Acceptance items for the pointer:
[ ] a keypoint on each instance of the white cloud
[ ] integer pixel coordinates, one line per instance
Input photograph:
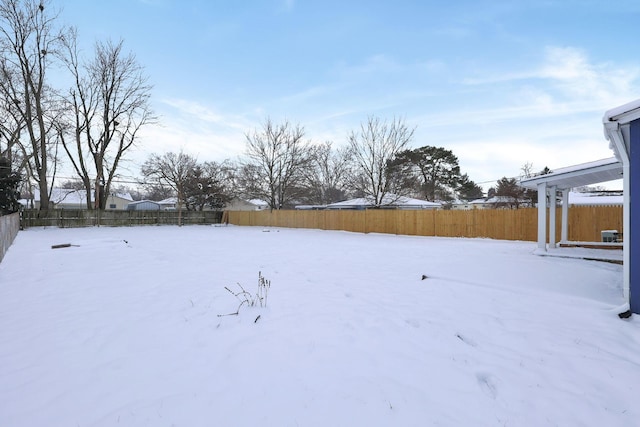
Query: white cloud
(195, 128)
(567, 81)
(195, 110)
(566, 63)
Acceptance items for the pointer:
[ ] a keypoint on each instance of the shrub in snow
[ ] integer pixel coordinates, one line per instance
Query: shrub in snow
(259, 299)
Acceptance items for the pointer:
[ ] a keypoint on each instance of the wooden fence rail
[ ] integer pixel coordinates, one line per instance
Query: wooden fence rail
(585, 222)
(68, 218)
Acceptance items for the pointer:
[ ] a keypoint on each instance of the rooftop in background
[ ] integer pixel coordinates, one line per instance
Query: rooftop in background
(71, 196)
(390, 201)
(596, 198)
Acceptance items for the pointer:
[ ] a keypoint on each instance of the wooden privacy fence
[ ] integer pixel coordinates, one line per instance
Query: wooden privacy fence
(9, 226)
(585, 222)
(67, 218)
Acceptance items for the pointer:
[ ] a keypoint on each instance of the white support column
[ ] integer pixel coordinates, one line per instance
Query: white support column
(615, 136)
(542, 216)
(552, 216)
(626, 229)
(564, 235)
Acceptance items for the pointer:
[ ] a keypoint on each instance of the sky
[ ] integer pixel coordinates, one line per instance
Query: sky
(499, 83)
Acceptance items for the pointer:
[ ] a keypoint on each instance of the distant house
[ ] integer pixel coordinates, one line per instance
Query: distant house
(390, 201)
(144, 205)
(118, 201)
(460, 205)
(63, 198)
(259, 204)
(237, 204)
(488, 203)
(496, 202)
(168, 204)
(310, 207)
(575, 198)
(612, 198)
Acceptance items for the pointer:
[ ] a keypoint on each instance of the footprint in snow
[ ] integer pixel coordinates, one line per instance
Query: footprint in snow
(467, 340)
(413, 322)
(487, 384)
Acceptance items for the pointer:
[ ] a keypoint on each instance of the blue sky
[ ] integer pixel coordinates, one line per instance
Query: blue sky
(500, 83)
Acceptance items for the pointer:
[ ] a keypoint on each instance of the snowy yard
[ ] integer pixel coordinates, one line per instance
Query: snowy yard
(123, 330)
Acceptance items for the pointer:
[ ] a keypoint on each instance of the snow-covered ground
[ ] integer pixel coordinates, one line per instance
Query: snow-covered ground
(123, 330)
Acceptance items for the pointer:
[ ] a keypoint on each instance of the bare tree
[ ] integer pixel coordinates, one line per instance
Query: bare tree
(373, 148)
(530, 196)
(171, 170)
(276, 155)
(11, 126)
(247, 180)
(527, 170)
(29, 43)
(72, 184)
(327, 173)
(107, 106)
(155, 191)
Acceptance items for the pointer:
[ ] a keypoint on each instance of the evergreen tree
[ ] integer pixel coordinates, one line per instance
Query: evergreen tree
(510, 191)
(9, 182)
(206, 186)
(435, 170)
(468, 190)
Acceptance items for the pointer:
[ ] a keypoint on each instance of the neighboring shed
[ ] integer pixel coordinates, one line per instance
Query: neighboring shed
(143, 205)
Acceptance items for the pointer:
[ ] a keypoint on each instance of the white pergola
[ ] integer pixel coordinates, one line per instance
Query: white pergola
(563, 180)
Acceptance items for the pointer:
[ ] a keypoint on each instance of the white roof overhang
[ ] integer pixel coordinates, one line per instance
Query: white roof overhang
(616, 127)
(624, 114)
(579, 175)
